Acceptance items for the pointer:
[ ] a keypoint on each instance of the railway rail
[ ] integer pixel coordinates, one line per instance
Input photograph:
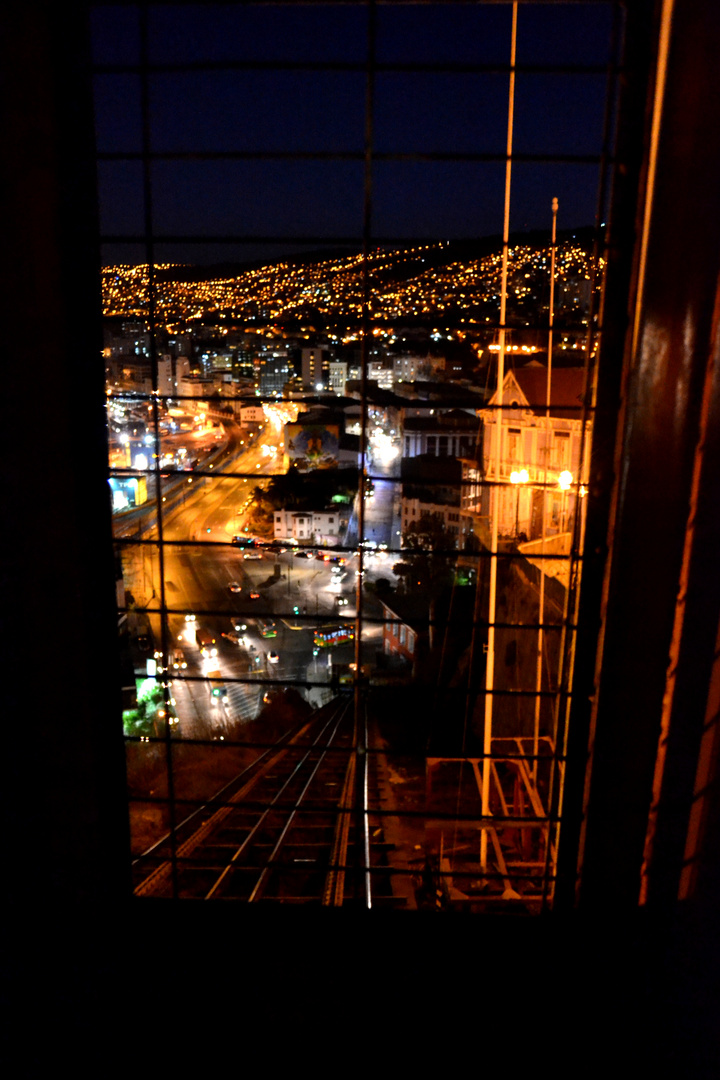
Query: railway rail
(296, 827)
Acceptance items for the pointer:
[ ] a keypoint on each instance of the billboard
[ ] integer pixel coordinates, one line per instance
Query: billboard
(312, 446)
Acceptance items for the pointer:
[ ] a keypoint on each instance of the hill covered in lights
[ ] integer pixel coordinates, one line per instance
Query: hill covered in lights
(430, 282)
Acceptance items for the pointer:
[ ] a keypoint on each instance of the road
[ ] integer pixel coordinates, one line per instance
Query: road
(198, 562)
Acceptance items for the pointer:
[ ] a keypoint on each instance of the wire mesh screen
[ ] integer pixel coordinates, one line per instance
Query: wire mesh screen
(352, 291)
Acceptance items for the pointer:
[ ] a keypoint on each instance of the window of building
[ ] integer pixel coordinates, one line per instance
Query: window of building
(513, 444)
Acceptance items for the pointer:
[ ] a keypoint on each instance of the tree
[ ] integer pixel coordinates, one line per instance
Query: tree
(148, 717)
(428, 564)
(294, 490)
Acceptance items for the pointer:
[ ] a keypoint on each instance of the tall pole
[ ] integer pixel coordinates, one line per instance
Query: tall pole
(541, 616)
(492, 598)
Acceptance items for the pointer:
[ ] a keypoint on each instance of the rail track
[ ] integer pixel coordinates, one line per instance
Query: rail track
(296, 827)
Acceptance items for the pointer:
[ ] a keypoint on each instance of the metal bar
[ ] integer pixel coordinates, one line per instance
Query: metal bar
(359, 689)
(343, 155)
(384, 67)
(490, 674)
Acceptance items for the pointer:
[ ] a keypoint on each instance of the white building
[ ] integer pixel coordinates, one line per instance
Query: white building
(382, 375)
(252, 414)
(338, 373)
(166, 383)
(408, 368)
(457, 525)
(310, 527)
(182, 369)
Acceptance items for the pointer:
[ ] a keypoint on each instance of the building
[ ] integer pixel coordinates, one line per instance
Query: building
(315, 369)
(402, 632)
(540, 451)
(251, 415)
(432, 488)
(442, 434)
(338, 374)
(275, 372)
(408, 368)
(456, 525)
(322, 527)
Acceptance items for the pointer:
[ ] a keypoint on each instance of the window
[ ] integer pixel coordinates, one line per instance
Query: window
(513, 444)
(390, 263)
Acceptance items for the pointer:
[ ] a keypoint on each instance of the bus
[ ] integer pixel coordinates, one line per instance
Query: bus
(326, 637)
(267, 628)
(206, 642)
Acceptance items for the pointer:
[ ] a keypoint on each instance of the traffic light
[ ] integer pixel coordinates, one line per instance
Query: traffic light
(296, 610)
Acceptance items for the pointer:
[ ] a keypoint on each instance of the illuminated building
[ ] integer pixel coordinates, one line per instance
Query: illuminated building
(539, 445)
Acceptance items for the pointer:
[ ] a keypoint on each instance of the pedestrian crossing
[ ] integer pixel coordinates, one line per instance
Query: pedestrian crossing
(244, 700)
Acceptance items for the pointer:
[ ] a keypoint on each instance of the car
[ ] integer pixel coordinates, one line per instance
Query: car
(273, 658)
(235, 638)
(254, 595)
(243, 541)
(177, 659)
(143, 642)
(303, 554)
(234, 586)
(252, 555)
(238, 623)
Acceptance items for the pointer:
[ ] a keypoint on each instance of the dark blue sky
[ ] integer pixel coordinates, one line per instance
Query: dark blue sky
(265, 109)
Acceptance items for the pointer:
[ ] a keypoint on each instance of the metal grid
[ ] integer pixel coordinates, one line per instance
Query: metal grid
(468, 815)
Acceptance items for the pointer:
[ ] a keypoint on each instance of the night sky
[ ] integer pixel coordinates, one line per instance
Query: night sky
(267, 110)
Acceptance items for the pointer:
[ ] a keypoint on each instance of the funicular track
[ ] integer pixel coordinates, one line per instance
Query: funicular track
(294, 828)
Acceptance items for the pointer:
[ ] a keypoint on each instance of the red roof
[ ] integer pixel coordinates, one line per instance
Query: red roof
(566, 389)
